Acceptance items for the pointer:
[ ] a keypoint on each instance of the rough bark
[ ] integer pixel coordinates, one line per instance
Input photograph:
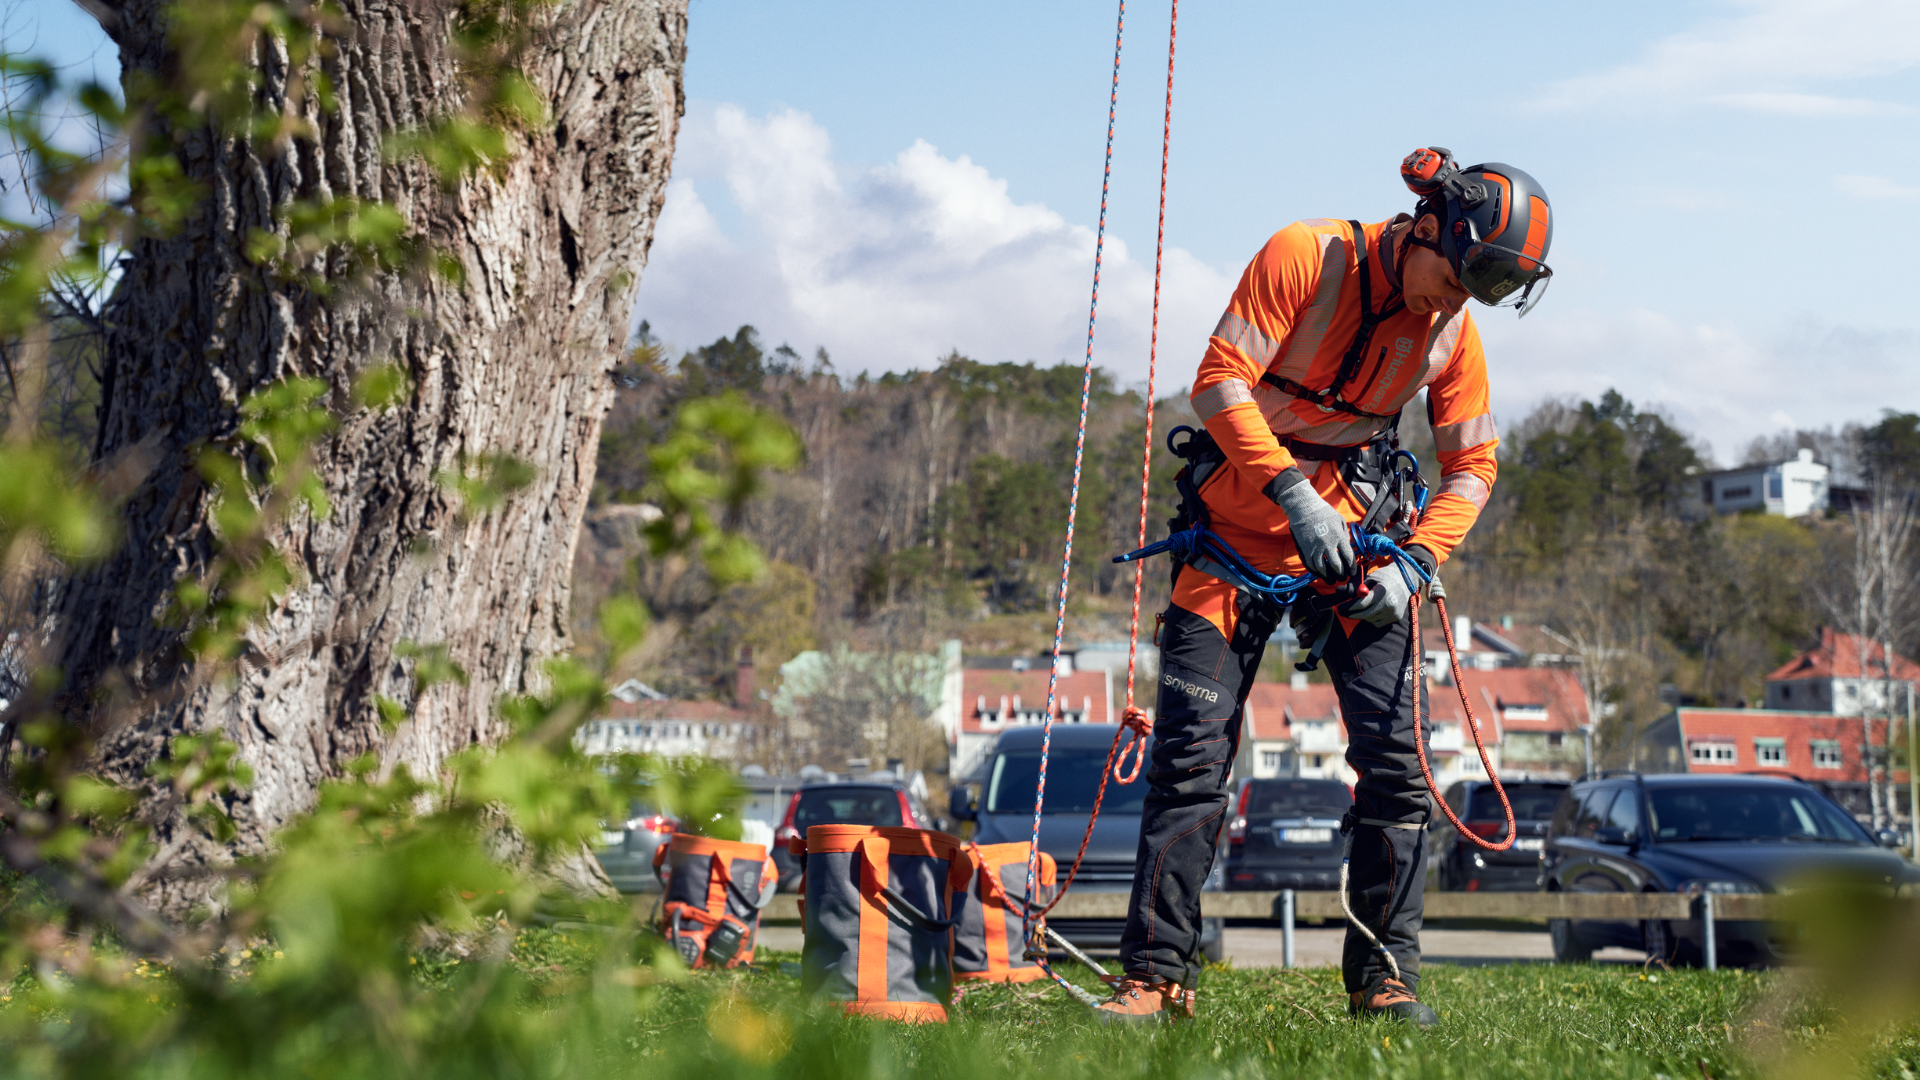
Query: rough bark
(516, 360)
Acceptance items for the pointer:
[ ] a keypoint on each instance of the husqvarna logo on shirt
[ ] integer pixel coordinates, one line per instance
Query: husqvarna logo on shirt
(1192, 690)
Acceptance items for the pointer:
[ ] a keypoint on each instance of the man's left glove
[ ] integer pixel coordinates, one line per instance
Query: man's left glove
(1386, 599)
(1387, 592)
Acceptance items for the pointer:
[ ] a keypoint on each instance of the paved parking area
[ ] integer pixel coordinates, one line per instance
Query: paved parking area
(1260, 946)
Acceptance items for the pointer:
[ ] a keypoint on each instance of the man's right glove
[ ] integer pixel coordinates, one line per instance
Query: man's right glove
(1318, 529)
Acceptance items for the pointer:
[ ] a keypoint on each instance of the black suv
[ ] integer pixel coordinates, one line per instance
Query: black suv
(1701, 834)
(1464, 866)
(1285, 834)
(1003, 813)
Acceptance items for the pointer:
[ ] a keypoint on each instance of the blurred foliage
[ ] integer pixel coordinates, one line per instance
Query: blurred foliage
(713, 459)
(394, 929)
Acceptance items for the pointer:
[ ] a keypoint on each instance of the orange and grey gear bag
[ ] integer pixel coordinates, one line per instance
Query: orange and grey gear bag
(714, 891)
(987, 942)
(878, 910)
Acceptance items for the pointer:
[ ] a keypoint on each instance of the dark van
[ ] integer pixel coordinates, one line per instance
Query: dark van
(1002, 811)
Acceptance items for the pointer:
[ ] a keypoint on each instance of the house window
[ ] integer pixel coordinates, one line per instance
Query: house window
(1554, 739)
(1319, 760)
(1269, 760)
(1712, 753)
(1826, 754)
(1773, 487)
(1771, 753)
(1706, 491)
(1737, 493)
(1786, 693)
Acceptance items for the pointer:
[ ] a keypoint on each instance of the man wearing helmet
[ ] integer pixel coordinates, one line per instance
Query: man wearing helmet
(1334, 328)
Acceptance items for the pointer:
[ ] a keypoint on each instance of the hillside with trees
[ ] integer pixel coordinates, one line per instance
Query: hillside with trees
(931, 505)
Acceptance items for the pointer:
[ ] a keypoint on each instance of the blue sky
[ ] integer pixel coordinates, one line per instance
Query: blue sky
(1733, 181)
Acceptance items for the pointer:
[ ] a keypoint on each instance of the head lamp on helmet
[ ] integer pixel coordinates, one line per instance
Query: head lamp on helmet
(1496, 225)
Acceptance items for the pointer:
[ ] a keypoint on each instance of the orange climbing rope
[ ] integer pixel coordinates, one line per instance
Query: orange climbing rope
(1134, 723)
(1473, 723)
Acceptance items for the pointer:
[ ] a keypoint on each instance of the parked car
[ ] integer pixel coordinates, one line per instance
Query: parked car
(1002, 812)
(1464, 866)
(877, 800)
(626, 849)
(1285, 834)
(1701, 834)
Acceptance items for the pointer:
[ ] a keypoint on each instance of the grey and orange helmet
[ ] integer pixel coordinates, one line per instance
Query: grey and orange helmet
(1496, 225)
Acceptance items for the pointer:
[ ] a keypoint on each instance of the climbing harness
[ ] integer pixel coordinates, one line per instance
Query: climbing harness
(1198, 546)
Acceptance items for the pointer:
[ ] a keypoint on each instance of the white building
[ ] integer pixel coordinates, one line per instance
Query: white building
(1792, 489)
(1828, 678)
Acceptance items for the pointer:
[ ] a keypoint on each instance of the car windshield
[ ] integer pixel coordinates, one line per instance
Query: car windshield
(1297, 799)
(1749, 813)
(1073, 776)
(847, 805)
(1531, 802)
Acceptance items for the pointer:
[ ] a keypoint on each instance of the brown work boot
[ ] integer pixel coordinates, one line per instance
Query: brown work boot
(1145, 1000)
(1390, 998)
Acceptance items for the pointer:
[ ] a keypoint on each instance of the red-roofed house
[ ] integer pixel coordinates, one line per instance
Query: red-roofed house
(1292, 729)
(1827, 678)
(1535, 714)
(995, 699)
(1531, 720)
(1809, 745)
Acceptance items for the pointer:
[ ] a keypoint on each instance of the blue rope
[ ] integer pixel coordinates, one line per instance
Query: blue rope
(1280, 589)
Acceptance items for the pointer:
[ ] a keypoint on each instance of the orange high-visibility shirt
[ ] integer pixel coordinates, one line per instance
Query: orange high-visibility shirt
(1295, 313)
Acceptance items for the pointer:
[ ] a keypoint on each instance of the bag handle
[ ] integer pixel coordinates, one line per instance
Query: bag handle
(871, 865)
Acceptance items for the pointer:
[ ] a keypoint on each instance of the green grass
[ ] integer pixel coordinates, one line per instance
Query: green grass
(581, 1010)
(1583, 1022)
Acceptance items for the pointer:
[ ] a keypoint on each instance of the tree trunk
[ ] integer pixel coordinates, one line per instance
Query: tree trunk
(516, 360)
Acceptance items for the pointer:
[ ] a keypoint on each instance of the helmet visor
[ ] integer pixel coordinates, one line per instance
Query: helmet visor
(1501, 277)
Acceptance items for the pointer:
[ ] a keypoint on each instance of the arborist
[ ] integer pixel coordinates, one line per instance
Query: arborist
(1334, 327)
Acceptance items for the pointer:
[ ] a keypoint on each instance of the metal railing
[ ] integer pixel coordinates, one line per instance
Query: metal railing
(1288, 906)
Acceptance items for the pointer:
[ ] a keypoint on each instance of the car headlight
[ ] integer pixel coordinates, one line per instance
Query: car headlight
(1908, 891)
(1697, 886)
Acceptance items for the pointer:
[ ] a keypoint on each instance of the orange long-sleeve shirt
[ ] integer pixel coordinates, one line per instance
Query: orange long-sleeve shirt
(1294, 314)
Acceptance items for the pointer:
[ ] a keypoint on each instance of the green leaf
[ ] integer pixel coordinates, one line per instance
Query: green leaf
(624, 621)
(383, 386)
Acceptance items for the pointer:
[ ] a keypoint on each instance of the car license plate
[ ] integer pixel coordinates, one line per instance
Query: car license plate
(1305, 836)
(609, 838)
(1529, 843)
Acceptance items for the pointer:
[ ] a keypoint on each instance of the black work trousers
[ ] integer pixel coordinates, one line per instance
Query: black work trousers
(1204, 681)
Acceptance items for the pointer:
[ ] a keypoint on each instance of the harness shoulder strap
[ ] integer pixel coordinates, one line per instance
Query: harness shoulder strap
(1330, 399)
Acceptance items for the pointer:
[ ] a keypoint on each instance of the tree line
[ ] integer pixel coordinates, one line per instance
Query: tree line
(932, 503)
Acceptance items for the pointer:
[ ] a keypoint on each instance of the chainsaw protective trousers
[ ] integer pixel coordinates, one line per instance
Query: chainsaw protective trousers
(1205, 677)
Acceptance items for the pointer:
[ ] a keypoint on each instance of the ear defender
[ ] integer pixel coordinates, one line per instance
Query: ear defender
(1426, 171)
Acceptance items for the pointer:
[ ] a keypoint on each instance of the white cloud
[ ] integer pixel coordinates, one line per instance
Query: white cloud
(1759, 58)
(1718, 382)
(891, 267)
(1809, 105)
(1875, 187)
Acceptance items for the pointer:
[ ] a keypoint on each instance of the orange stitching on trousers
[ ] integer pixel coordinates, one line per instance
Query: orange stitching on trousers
(1154, 893)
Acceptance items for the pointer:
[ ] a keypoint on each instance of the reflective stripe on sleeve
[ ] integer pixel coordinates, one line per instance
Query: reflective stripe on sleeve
(1246, 337)
(1467, 486)
(1448, 438)
(1215, 399)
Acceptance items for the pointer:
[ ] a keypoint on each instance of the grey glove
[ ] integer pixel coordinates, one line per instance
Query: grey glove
(1318, 529)
(1386, 599)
